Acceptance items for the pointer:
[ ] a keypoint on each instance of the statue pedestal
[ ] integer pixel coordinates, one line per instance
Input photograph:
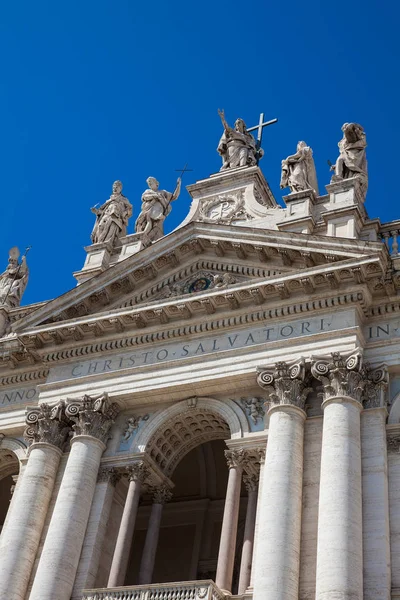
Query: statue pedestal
(131, 244)
(97, 260)
(347, 191)
(299, 213)
(344, 214)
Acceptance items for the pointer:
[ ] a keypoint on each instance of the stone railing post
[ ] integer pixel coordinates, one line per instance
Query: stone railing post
(137, 474)
(107, 479)
(227, 545)
(47, 430)
(340, 543)
(251, 483)
(58, 563)
(161, 495)
(277, 564)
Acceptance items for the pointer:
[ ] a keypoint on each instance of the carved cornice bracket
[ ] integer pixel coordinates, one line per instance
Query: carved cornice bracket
(285, 383)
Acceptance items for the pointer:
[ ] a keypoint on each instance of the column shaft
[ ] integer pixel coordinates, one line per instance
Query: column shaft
(376, 541)
(339, 551)
(21, 534)
(248, 541)
(256, 525)
(62, 548)
(125, 535)
(277, 567)
(150, 546)
(227, 546)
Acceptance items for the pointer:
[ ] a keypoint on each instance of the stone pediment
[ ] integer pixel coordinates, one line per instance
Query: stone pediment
(201, 259)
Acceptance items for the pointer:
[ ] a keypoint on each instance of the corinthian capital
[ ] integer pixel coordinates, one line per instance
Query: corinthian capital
(375, 387)
(138, 472)
(162, 495)
(47, 424)
(285, 383)
(236, 458)
(92, 415)
(340, 374)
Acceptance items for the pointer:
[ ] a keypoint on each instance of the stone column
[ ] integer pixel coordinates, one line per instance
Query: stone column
(89, 560)
(137, 474)
(277, 566)
(251, 483)
(47, 430)
(227, 545)
(261, 454)
(339, 546)
(375, 500)
(58, 563)
(160, 497)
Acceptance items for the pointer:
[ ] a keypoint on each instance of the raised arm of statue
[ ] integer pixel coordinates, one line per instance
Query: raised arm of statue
(224, 123)
(177, 190)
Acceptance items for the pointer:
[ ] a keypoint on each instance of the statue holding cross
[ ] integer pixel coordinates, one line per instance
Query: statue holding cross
(237, 146)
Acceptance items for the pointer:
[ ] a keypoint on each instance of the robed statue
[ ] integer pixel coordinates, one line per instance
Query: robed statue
(352, 159)
(112, 217)
(237, 146)
(298, 170)
(156, 206)
(14, 280)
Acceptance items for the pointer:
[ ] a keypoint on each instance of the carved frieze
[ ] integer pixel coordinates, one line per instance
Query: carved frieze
(224, 208)
(92, 415)
(48, 424)
(254, 408)
(131, 426)
(285, 383)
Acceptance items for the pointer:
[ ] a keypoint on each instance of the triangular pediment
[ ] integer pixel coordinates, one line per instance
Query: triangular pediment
(201, 259)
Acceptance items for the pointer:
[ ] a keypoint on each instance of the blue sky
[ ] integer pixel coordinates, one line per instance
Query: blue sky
(95, 91)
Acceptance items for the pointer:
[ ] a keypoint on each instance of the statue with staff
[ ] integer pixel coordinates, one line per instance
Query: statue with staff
(14, 279)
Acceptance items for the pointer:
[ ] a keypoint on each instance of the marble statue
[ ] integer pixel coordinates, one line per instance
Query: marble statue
(352, 160)
(237, 146)
(14, 280)
(156, 206)
(298, 170)
(112, 217)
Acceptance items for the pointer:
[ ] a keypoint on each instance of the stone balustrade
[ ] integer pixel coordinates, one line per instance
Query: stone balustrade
(390, 235)
(186, 590)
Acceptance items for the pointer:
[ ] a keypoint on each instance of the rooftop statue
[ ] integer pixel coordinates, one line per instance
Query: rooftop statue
(237, 146)
(156, 206)
(112, 217)
(352, 160)
(14, 280)
(298, 170)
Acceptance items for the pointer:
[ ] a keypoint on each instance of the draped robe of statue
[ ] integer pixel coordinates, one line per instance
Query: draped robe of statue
(352, 159)
(237, 147)
(156, 206)
(298, 170)
(112, 217)
(13, 282)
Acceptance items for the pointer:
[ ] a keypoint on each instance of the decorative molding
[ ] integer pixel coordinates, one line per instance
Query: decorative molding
(48, 424)
(92, 415)
(285, 383)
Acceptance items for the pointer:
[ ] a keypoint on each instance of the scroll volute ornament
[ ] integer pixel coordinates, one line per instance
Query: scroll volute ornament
(47, 424)
(92, 415)
(285, 383)
(340, 374)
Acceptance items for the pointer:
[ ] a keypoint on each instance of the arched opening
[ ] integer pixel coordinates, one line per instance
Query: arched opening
(9, 468)
(191, 522)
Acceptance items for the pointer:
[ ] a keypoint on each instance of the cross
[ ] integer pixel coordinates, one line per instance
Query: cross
(184, 170)
(260, 127)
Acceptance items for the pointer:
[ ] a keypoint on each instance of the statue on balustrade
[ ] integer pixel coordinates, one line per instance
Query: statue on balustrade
(156, 206)
(237, 146)
(352, 159)
(14, 280)
(298, 170)
(112, 217)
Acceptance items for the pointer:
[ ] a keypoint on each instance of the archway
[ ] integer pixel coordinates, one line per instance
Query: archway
(9, 469)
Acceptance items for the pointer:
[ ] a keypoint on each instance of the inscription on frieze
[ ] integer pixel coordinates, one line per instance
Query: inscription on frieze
(14, 396)
(250, 337)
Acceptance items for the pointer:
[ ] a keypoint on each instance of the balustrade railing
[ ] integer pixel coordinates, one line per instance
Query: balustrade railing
(183, 590)
(390, 235)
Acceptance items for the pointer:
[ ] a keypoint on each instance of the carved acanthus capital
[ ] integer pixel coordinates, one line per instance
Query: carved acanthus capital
(109, 475)
(393, 444)
(251, 482)
(285, 383)
(48, 424)
(375, 388)
(92, 415)
(341, 374)
(162, 495)
(236, 458)
(138, 472)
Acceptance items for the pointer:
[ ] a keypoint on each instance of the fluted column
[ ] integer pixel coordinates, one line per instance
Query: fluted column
(277, 564)
(160, 497)
(251, 483)
(340, 543)
(107, 479)
(47, 430)
(137, 474)
(58, 563)
(227, 545)
(375, 502)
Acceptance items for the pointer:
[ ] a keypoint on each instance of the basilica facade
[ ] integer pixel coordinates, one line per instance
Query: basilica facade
(214, 412)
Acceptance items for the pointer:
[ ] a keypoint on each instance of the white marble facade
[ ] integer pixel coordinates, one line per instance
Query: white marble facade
(268, 334)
